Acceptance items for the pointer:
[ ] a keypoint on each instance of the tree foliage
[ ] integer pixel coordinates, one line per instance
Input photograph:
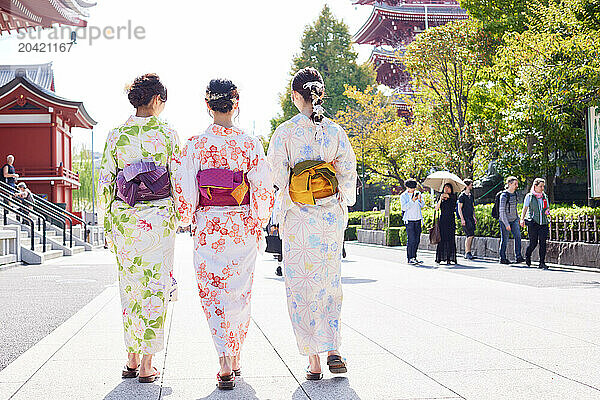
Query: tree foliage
(327, 46)
(551, 74)
(392, 151)
(446, 63)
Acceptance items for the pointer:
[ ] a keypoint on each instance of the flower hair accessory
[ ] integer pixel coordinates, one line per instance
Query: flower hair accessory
(215, 96)
(314, 84)
(318, 110)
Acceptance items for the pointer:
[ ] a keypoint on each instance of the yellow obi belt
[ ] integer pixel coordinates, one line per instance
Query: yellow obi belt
(312, 180)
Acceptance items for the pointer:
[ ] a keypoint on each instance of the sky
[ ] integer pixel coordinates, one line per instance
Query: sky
(187, 43)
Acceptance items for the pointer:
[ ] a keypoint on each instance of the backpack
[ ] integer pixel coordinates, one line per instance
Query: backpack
(496, 208)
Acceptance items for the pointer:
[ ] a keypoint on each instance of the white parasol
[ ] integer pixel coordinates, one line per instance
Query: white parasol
(438, 179)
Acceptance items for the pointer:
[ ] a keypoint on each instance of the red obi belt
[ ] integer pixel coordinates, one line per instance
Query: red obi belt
(223, 187)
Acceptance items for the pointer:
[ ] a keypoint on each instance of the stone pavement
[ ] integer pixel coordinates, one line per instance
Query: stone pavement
(408, 333)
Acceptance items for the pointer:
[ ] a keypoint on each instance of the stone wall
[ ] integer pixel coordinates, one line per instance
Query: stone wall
(371, 237)
(564, 253)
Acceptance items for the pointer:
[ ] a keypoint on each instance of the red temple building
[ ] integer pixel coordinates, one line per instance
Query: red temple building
(392, 25)
(35, 126)
(24, 14)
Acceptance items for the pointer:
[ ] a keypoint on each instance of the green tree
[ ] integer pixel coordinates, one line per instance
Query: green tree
(447, 63)
(327, 46)
(391, 149)
(551, 74)
(82, 164)
(498, 16)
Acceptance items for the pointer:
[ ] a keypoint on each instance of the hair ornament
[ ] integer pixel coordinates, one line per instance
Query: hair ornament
(319, 110)
(314, 84)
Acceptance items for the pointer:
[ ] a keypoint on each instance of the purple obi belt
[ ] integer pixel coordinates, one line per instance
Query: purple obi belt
(143, 181)
(223, 187)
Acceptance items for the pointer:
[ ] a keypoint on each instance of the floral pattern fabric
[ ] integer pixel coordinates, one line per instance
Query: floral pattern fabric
(226, 238)
(313, 235)
(143, 236)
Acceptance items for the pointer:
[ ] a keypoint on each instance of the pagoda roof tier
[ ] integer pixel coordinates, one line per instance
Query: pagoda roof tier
(398, 25)
(397, 2)
(26, 92)
(390, 70)
(23, 14)
(40, 74)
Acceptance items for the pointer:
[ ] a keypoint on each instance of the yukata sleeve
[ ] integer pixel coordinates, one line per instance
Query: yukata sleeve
(262, 194)
(185, 188)
(173, 163)
(345, 169)
(279, 161)
(107, 178)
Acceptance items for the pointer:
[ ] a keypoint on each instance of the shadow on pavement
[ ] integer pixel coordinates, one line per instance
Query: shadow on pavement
(349, 280)
(459, 266)
(338, 388)
(242, 390)
(132, 389)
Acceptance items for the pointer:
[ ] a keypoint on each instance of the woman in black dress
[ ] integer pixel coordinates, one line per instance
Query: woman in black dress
(446, 249)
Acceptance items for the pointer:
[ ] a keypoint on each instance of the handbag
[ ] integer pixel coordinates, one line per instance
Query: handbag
(435, 236)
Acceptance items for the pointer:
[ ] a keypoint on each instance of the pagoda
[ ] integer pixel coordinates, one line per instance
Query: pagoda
(35, 127)
(24, 14)
(393, 25)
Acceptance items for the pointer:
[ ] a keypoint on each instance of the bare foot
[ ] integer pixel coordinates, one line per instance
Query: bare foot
(314, 361)
(226, 365)
(133, 360)
(235, 362)
(146, 368)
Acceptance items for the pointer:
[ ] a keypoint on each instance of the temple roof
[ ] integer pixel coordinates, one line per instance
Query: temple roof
(23, 14)
(390, 22)
(40, 74)
(397, 2)
(73, 110)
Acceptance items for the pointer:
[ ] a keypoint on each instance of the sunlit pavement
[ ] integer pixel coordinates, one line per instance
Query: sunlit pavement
(473, 331)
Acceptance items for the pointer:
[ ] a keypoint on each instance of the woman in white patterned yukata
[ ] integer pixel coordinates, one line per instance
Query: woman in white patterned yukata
(315, 168)
(225, 189)
(140, 221)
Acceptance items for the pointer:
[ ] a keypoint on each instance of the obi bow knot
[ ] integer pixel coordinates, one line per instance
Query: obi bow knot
(143, 180)
(223, 187)
(312, 180)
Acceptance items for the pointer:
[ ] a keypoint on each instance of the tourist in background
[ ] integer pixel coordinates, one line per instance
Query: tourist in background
(536, 210)
(466, 212)
(412, 203)
(135, 181)
(226, 193)
(446, 248)
(9, 176)
(315, 168)
(509, 220)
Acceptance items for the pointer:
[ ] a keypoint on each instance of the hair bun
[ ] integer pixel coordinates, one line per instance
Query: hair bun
(221, 95)
(144, 88)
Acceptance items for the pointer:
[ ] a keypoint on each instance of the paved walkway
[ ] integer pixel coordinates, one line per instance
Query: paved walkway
(408, 333)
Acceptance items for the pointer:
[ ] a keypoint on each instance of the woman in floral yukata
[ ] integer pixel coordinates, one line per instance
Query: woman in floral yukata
(315, 168)
(225, 189)
(140, 221)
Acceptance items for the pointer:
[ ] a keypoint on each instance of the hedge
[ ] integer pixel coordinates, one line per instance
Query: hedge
(397, 236)
(487, 226)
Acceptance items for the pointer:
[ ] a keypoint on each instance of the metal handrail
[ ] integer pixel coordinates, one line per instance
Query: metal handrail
(37, 213)
(8, 208)
(56, 208)
(47, 211)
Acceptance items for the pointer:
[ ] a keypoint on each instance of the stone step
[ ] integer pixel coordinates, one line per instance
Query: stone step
(8, 259)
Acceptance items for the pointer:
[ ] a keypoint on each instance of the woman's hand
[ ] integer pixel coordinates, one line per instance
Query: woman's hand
(444, 196)
(522, 223)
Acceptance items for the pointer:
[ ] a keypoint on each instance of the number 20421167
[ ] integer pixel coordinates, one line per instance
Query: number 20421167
(45, 47)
